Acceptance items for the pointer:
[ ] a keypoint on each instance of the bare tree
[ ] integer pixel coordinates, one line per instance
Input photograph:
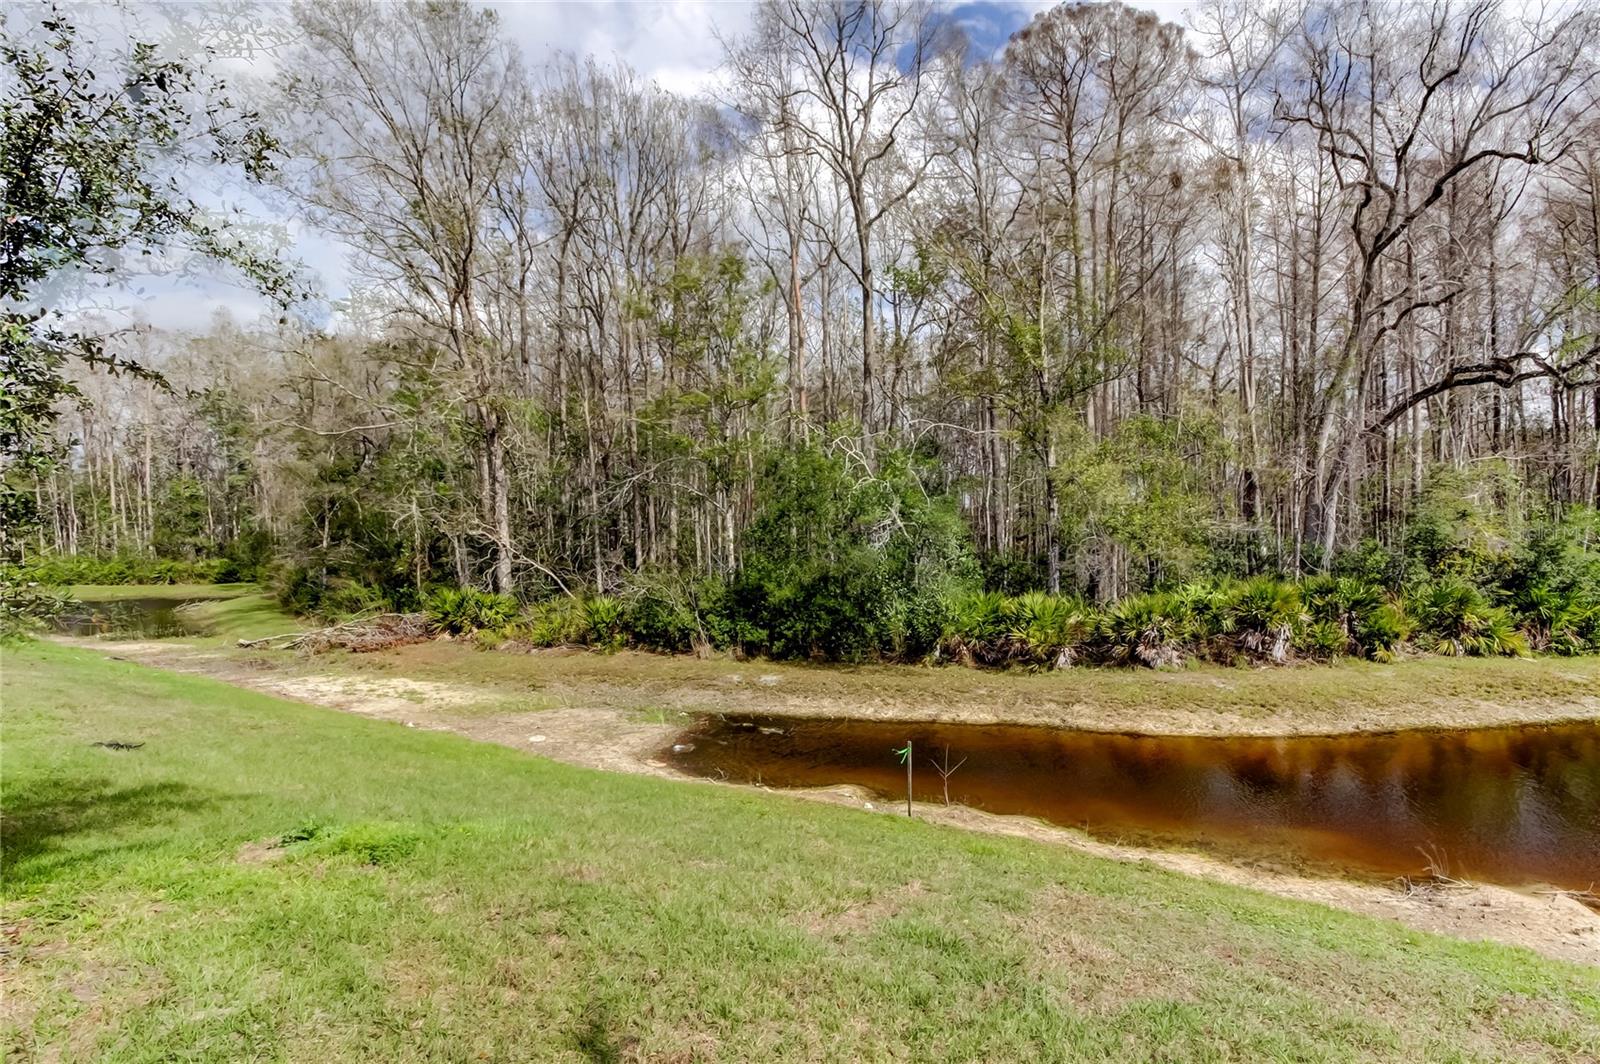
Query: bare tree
(855, 78)
(407, 140)
(1407, 105)
(945, 770)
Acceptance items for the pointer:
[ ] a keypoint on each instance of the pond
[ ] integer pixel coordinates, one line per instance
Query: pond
(143, 617)
(1517, 806)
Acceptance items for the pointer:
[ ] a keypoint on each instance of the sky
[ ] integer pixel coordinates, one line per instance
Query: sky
(673, 42)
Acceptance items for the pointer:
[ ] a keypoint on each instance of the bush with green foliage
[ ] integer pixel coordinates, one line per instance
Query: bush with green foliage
(1047, 629)
(604, 617)
(299, 591)
(1261, 615)
(1563, 621)
(1461, 526)
(842, 566)
(343, 598)
(671, 614)
(332, 597)
(975, 630)
(1150, 630)
(1324, 640)
(464, 610)
(1350, 616)
(1370, 562)
(1455, 618)
(1551, 584)
(1379, 633)
(555, 622)
(1034, 629)
(1146, 487)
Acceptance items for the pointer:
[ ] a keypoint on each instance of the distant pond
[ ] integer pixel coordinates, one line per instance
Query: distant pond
(145, 617)
(1516, 806)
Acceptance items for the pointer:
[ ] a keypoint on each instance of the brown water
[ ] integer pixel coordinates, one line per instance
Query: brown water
(143, 617)
(1517, 806)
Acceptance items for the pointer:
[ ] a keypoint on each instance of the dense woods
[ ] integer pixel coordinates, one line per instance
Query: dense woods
(1116, 311)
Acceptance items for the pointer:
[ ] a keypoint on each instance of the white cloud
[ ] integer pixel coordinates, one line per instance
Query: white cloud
(674, 44)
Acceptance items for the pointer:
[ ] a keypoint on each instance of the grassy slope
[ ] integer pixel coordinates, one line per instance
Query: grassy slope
(250, 616)
(521, 909)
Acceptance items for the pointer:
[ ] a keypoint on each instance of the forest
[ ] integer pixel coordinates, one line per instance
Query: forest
(1271, 336)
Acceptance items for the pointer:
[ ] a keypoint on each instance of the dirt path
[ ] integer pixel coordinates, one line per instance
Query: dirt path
(627, 740)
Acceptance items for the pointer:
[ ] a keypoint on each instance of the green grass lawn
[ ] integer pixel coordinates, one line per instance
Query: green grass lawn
(253, 615)
(266, 880)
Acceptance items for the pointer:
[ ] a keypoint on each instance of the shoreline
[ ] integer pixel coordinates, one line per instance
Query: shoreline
(1330, 701)
(1513, 720)
(1322, 700)
(614, 738)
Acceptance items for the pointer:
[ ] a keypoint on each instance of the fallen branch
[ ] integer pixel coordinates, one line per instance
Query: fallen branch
(1583, 897)
(360, 635)
(1424, 886)
(1435, 878)
(267, 640)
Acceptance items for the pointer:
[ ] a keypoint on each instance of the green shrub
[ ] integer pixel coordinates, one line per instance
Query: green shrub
(1262, 615)
(1462, 526)
(925, 614)
(603, 617)
(1455, 618)
(840, 612)
(841, 566)
(1380, 632)
(553, 623)
(298, 590)
(1370, 562)
(1373, 626)
(1010, 572)
(1034, 628)
(1322, 639)
(1562, 622)
(1580, 631)
(67, 569)
(975, 629)
(1145, 630)
(662, 614)
(347, 598)
(464, 610)
(1208, 621)
(1046, 629)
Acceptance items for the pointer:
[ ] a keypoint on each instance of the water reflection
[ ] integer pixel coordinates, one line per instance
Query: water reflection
(145, 617)
(1508, 805)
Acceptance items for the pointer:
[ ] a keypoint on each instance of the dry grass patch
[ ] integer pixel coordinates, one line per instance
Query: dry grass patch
(863, 916)
(1351, 696)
